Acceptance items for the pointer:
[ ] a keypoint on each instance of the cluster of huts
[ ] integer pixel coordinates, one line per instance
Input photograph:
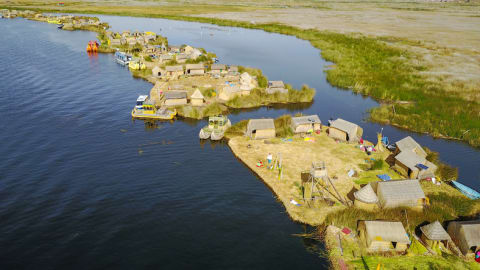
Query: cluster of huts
(134, 38)
(180, 97)
(200, 69)
(410, 160)
(386, 236)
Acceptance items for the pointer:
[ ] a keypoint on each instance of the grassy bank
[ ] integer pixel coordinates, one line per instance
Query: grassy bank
(258, 97)
(365, 65)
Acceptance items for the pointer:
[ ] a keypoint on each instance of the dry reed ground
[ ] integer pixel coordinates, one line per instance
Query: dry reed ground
(298, 156)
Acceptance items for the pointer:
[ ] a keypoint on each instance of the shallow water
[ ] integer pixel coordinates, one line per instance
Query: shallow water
(83, 186)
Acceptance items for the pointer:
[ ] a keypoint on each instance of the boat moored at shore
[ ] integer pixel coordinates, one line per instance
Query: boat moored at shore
(217, 125)
(146, 109)
(122, 58)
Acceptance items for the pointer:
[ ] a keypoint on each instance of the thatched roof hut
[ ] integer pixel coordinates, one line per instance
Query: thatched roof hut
(396, 193)
(175, 97)
(195, 69)
(158, 71)
(345, 131)
(303, 124)
(276, 87)
(383, 235)
(409, 144)
(434, 232)
(365, 198)
(261, 128)
(196, 99)
(229, 92)
(411, 165)
(465, 234)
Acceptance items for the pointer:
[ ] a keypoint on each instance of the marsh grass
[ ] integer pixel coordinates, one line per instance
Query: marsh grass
(444, 171)
(258, 97)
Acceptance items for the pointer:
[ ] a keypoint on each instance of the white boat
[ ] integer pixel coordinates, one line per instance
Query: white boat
(122, 58)
(217, 125)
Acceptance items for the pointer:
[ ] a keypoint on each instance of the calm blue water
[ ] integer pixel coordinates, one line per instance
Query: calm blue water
(83, 186)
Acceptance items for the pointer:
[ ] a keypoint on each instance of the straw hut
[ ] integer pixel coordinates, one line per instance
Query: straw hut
(174, 72)
(158, 72)
(194, 54)
(466, 235)
(218, 69)
(434, 233)
(182, 58)
(175, 97)
(174, 49)
(303, 124)
(247, 83)
(197, 98)
(195, 69)
(229, 92)
(233, 70)
(409, 144)
(345, 131)
(398, 193)
(409, 164)
(165, 58)
(383, 236)
(115, 42)
(365, 198)
(276, 87)
(261, 128)
(187, 49)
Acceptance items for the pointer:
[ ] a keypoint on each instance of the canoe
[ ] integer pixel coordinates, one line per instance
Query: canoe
(467, 191)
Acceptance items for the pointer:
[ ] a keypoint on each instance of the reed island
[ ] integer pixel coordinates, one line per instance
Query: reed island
(377, 205)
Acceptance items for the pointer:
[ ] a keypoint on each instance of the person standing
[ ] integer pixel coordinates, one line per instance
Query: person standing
(269, 158)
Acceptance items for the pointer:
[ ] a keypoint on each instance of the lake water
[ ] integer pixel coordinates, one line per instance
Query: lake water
(82, 186)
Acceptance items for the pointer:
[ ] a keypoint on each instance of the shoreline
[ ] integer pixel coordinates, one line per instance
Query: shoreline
(431, 125)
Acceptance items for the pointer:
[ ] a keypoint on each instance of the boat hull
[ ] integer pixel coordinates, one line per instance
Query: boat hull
(216, 136)
(467, 191)
(204, 134)
(167, 116)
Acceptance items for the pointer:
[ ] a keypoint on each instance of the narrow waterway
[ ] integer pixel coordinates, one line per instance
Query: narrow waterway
(83, 186)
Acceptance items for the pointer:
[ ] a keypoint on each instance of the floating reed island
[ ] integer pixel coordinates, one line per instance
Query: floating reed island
(374, 204)
(187, 80)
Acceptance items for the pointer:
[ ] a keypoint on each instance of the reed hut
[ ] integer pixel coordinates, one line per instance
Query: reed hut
(365, 198)
(194, 69)
(229, 92)
(164, 58)
(175, 97)
(218, 69)
(409, 164)
(182, 58)
(174, 49)
(158, 72)
(383, 236)
(466, 235)
(233, 70)
(400, 193)
(261, 128)
(433, 234)
(304, 124)
(187, 49)
(276, 87)
(197, 98)
(409, 144)
(345, 131)
(174, 72)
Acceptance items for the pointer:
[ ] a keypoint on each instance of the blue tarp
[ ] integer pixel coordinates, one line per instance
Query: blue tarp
(384, 177)
(421, 166)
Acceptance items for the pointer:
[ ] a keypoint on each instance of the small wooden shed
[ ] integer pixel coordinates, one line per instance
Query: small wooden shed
(434, 233)
(175, 97)
(400, 193)
(409, 144)
(195, 69)
(383, 236)
(197, 98)
(409, 164)
(466, 235)
(345, 131)
(218, 69)
(308, 123)
(261, 128)
(365, 198)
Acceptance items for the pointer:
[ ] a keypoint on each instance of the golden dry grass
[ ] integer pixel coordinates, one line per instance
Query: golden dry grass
(298, 156)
